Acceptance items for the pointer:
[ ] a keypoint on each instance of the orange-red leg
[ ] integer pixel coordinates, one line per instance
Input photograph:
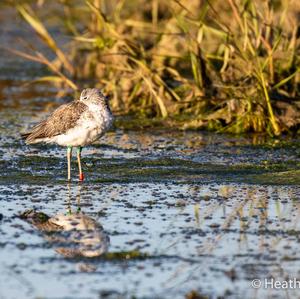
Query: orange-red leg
(81, 176)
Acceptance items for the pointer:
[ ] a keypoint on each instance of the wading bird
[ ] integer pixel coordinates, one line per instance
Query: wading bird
(75, 124)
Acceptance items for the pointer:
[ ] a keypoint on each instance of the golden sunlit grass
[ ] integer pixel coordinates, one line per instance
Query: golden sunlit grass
(229, 65)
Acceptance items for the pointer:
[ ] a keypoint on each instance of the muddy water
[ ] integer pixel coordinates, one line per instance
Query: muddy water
(165, 213)
(182, 211)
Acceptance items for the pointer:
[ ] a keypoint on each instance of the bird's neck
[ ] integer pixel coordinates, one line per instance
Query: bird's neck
(99, 107)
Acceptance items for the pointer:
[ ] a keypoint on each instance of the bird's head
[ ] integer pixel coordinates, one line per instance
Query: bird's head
(93, 95)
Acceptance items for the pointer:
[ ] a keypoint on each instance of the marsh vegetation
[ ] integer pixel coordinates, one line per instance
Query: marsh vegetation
(169, 213)
(230, 66)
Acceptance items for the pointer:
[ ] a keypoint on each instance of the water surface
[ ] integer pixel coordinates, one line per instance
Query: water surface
(184, 211)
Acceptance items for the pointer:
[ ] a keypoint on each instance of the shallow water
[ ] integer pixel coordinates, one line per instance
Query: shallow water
(183, 211)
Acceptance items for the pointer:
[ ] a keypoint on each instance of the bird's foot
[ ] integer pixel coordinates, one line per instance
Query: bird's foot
(81, 177)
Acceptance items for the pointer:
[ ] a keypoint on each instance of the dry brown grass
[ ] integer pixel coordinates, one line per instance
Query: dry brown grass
(228, 65)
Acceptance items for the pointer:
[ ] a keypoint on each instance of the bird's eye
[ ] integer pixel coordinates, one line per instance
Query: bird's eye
(84, 98)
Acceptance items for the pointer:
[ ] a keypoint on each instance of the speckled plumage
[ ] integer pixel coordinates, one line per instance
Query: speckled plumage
(75, 124)
(78, 123)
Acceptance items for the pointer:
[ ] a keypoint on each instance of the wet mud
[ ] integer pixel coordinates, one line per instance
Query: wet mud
(161, 214)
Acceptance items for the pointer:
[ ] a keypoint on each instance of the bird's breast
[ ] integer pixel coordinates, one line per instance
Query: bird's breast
(101, 116)
(91, 126)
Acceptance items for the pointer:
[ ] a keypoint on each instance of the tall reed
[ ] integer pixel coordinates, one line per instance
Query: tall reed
(228, 65)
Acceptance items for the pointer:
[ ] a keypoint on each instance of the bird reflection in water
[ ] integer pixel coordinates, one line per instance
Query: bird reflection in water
(73, 234)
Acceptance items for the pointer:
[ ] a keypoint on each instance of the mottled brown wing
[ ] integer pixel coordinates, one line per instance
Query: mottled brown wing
(61, 120)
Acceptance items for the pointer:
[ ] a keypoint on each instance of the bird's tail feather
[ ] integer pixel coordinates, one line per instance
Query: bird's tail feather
(25, 135)
(30, 138)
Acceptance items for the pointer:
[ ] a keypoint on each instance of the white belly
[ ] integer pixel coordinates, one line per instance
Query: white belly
(89, 128)
(78, 136)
